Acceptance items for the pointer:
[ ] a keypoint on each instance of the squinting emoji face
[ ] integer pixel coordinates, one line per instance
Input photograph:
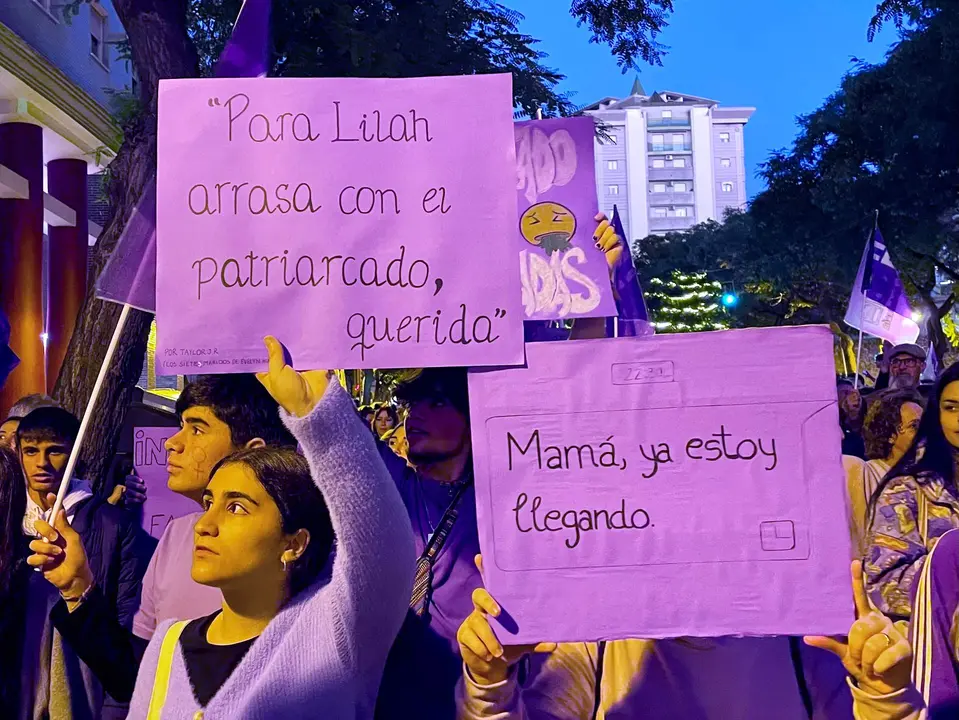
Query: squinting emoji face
(548, 225)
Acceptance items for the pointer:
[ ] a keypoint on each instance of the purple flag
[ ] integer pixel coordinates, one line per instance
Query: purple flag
(8, 359)
(129, 277)
(878, 304)
(633, 318)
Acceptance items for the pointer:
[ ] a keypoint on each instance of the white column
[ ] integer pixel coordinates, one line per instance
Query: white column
(637, 174)
(704, 180)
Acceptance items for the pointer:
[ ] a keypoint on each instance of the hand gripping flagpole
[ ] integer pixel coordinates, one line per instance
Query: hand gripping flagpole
(246, 54)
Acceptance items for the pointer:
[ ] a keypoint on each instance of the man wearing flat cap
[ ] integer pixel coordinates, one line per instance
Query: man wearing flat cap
(906, 363)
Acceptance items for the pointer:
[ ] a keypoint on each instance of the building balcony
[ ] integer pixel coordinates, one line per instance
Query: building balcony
(659, 199)
(668, 122)
(669, 148)
(683, 173)
(670, 224)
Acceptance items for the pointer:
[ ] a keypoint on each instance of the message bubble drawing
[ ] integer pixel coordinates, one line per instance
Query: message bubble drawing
(548, 225)
(622, 474)
(655, 478)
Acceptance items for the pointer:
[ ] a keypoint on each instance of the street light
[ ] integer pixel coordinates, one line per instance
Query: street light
(730, 299)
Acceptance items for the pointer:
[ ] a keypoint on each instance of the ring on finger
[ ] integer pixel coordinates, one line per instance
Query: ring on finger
(888, 639)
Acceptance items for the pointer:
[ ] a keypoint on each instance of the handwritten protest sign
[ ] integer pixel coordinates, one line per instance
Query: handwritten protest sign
(149, 462)
(364, 222)
(564, 274)
(683, 485)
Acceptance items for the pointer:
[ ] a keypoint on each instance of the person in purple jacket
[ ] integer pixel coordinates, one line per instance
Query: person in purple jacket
(290, 640)
(935, 630)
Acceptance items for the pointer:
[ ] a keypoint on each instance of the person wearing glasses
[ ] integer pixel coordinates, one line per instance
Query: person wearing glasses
(906, 363)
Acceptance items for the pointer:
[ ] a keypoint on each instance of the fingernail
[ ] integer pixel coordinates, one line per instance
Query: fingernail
(57, 551)
(498, 652)
(496, 611)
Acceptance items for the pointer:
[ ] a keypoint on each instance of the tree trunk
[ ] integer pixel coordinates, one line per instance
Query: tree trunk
(160, 48)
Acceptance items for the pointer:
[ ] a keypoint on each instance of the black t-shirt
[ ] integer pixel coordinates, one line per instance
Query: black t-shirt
(209, 666)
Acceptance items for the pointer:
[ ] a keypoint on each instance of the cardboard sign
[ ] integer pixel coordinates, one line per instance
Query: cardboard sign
(564, 274)
(149, 462)
(366, 223)
(682, 485)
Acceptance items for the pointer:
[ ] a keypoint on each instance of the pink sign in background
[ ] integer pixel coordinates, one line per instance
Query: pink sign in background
(149, 462)
(682, 485)
(366, 223)
(564, 274)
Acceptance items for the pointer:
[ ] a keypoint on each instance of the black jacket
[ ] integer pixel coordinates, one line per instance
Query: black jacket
(118, 551)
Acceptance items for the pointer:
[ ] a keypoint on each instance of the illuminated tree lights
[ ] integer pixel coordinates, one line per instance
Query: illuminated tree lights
(686, 302)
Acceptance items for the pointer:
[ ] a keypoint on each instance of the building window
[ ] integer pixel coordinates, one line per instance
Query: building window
(681, 212)
(612, 164)
(667, 114)
(659, 163)
(679, 140)
(659, 212)
(679, 187)
(613, 190)
(725, 162)
(98, 33)
(679, 163)
(727, 187)
(659, 187)
(658, 139)
(724, 137)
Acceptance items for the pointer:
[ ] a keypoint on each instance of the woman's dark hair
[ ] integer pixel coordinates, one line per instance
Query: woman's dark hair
(936, 457)
(390, 410)
(13, 504)
(242, 404)
(285, 475)
(883, 421)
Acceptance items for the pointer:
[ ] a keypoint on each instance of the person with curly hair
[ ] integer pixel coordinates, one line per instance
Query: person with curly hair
(888, 430)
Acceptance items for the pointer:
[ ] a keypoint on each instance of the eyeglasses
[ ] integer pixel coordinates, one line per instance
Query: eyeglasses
(905, 362)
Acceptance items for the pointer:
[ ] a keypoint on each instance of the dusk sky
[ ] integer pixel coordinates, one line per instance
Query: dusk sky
(784, 62)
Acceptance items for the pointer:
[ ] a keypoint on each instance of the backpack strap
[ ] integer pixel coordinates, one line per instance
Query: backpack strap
(161, 681)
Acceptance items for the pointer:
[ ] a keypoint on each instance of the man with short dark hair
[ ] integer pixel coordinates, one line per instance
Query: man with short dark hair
(219, 415)
(55, 683)
(424, 665)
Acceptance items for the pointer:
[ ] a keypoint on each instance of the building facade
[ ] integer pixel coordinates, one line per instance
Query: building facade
(668, 161)
(58, 78)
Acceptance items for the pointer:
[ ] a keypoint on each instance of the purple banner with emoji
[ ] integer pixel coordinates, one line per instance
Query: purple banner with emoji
(564, 274)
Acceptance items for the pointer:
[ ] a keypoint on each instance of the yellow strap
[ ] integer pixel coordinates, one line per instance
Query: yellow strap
(161, 682)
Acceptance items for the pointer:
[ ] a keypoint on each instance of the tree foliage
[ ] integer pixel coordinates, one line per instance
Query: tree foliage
(885, 141)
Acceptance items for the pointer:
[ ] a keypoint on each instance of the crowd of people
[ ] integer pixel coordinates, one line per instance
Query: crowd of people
(332, 569)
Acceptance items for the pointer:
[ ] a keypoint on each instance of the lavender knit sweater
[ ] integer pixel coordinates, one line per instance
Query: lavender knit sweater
(323, 654)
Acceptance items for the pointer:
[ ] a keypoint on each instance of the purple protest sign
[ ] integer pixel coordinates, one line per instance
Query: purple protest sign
(564, 274)
(664, 487)
(149, 461)
(366, 223)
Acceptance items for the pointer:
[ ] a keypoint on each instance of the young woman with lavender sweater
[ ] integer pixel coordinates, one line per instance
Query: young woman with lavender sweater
(324, 651)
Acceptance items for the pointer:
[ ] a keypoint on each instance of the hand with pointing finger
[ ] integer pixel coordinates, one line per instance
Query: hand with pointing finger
(876, 652)
(489, 661)
(296, 392)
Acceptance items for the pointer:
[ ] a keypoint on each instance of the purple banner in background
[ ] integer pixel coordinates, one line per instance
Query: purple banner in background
(149, 460)
(564, 274)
